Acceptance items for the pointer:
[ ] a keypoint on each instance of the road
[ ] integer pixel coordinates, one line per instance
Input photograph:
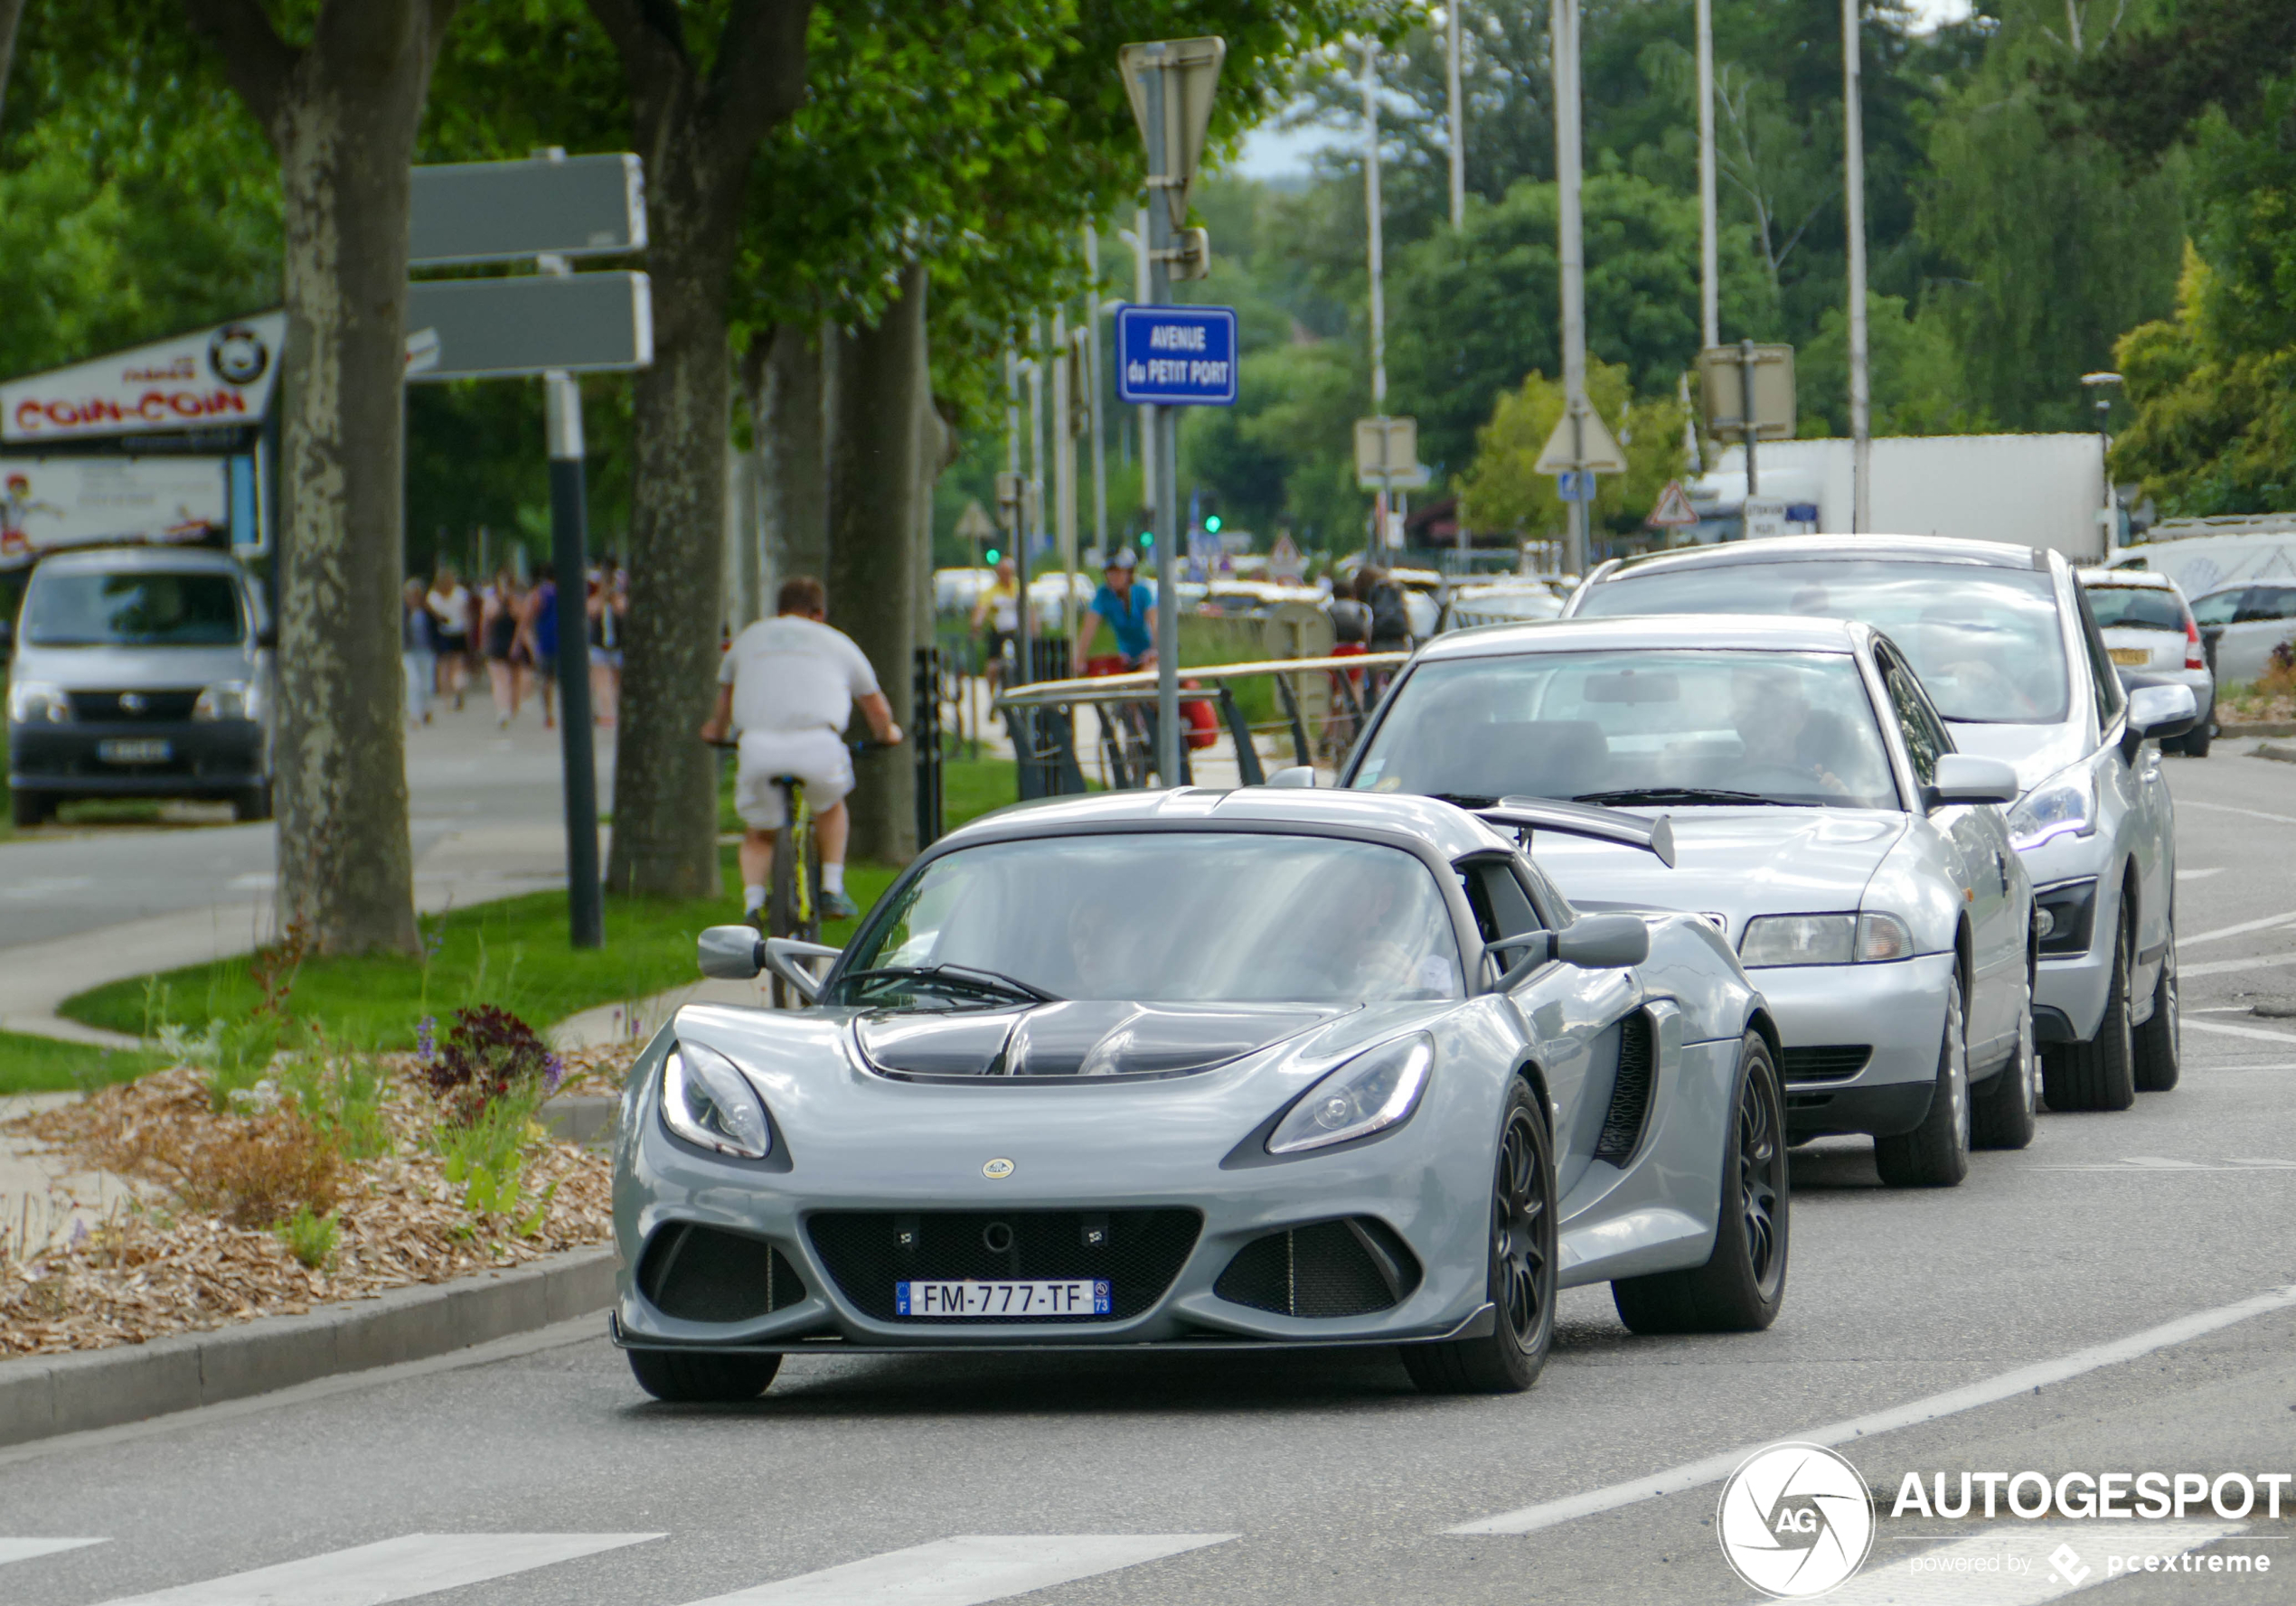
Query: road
(1326, 1480)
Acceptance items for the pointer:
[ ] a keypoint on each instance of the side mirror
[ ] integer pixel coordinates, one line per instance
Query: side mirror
(730, 953)
(1603, 942)
(785, 957)
(2163, 711)
(1965, 778)
(1293, 776)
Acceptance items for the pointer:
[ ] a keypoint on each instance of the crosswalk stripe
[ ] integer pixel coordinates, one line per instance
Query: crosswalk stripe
(24, 1550)
(967, 1570)
(2021, 1567)
(391, 1570)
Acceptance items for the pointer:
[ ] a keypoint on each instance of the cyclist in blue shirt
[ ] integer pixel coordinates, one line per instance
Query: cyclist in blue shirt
(1130, 609)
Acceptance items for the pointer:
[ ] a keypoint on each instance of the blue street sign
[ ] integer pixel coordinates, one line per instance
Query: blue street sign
(1575, 484)
(1176, 356)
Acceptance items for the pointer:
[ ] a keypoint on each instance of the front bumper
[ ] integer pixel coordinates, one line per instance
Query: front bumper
(1896, 1011)
(205, 758)
(2069, 992)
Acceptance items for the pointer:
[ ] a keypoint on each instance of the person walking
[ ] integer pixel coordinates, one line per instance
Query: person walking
(417, 650)
(607, 607)
(500, 628)
(540, 618)
(788, 687)
(449, 602)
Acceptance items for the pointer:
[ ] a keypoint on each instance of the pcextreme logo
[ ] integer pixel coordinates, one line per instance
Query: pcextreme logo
(1795, 1521)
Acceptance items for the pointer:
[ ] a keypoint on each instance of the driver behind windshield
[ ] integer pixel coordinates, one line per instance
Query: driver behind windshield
(1780, 730)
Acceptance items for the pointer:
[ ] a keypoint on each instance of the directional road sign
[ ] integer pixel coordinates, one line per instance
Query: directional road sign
(1191, 72)
(1386, 453)
(1592, 447)
(498, 211)
(1726, 374)
(1176, 356)
(461, 329)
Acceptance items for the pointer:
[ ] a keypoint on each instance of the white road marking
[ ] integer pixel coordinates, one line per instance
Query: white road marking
(2214, 870)
(391, 1569)
(46, 886)
(1714, 1469)
(2224, 967)
(2256, 1033)
(2142, 1162)
(2185, 802)
(2023, 1565)
(2264, 924)
(24, 1550)
(253, 881)
(967, 1570)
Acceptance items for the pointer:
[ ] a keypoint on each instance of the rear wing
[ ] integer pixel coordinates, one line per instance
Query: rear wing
(1530, 814)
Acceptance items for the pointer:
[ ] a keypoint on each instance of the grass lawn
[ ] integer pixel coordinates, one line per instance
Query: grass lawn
(43, 1065)
(513, 953)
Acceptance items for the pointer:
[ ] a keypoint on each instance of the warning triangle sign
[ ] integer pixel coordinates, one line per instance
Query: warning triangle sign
(1284, 559)
(1673, 511)
(1192, 73)
(1591, 446)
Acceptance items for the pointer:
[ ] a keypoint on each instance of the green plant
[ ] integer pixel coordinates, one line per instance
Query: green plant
(341, 1095)
(310, 1238)
(486, 1158)
(489, 1054)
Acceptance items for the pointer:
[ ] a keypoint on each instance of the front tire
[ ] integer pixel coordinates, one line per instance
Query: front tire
(686, 1377)
(1936, 1154)
(1522, 1274)
(251, 803)
(2002, 1116)
(1743, 1283)
(2158, 1043)
(2100, 1074)
(28, 809)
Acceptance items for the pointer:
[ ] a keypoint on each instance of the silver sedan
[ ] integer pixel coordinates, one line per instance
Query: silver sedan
(1823, 820)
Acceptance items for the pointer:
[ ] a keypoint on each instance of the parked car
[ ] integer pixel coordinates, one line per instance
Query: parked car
(1823, 822)
(2009, 653)
(140, 672)
(1497, 602)
(2248, 621)
(1216, 1071)
(2153, 639)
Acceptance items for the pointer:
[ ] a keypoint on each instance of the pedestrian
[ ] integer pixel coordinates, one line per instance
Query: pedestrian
(540, 615)
(450, 602)
(417, 650)
(609, 606)
(1390, 618)
(499, 629)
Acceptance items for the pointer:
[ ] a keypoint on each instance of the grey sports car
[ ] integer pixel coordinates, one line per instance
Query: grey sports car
(1209, 1070)
(1826, 825)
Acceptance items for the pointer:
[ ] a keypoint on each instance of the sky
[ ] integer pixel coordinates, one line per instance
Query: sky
(1272, 152)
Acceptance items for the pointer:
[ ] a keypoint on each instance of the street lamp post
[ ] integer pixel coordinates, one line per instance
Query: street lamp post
(1374, 256)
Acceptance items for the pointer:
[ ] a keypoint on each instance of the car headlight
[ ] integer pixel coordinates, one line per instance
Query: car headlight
(708, 1102)
(1369, 1094)
(31, 703)
(2065, 806)
(230, 700)
(1799, 939)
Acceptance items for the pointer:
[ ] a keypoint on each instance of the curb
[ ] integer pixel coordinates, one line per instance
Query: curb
(44, 1395)
(2275, 750)
(2257, 727)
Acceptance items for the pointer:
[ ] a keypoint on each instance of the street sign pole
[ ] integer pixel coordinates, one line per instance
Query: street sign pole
(1019, 529)
(570, 555)
(1161, 460)
(1563, 24)
(1749, 426)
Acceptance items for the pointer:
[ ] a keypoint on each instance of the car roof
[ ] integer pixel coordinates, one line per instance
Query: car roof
(1449, 831)
(2135, 579)
(1814, 549)
(141, 559)
(1785, 633)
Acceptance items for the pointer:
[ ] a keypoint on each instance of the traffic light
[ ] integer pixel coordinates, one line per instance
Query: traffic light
(992, 556)
(1211, 523)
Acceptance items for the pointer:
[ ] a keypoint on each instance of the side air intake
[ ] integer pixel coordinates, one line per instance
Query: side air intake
(1630, 1109)
(701, 1273)
(1348, 1267)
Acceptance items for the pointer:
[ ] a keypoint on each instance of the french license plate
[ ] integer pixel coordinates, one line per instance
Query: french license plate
(2136, 657)
(1015, 1301)
(139, 750)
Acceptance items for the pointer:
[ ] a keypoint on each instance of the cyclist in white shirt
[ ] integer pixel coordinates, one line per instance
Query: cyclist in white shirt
(788, 686)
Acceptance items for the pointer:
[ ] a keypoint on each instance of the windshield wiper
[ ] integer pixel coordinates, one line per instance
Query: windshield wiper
(1463, 800)
(1680, 795)
(965, 977)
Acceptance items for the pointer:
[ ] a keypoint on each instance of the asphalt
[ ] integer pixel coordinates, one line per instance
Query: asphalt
(1326, 1479)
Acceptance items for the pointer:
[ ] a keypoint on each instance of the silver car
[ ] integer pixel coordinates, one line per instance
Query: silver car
(2250, 619)
(2009, 653)
(2153, 639)
(1202, 1070)
(140, 672)
(1823, 822)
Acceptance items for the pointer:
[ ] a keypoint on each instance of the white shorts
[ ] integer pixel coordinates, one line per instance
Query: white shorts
(819, 757)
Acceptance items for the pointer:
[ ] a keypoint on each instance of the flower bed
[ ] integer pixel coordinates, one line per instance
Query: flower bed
(332, 1176)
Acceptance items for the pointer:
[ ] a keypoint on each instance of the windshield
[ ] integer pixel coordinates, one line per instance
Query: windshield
(1162, 918)
(2219, 607)
(144, 608)
(1636, 726)
(1985, 641)
(2134, 607)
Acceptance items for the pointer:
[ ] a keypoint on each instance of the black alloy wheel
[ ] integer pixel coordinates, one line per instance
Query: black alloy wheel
(696, 1377)
(2100, 1074)
(1743, 1284)
(1522, 1276)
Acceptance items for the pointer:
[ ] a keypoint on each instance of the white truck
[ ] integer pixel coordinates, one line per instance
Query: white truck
(2039, 490)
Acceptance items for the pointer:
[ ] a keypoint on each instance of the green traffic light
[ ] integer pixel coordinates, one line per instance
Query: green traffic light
(1211, 525)
(993, 555)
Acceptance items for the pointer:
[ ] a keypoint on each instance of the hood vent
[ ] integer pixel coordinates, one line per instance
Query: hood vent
(1074, 1038)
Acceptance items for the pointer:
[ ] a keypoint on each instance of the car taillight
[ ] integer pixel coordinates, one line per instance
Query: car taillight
(2194, 658)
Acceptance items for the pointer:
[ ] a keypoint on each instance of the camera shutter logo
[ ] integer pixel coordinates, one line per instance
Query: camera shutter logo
(1795, 1521)
(238, 355)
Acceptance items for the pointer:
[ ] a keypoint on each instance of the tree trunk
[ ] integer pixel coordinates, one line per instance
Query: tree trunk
(697, 134)
(873, 478)
(10, 13)
(341, 112)
(794, 446)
